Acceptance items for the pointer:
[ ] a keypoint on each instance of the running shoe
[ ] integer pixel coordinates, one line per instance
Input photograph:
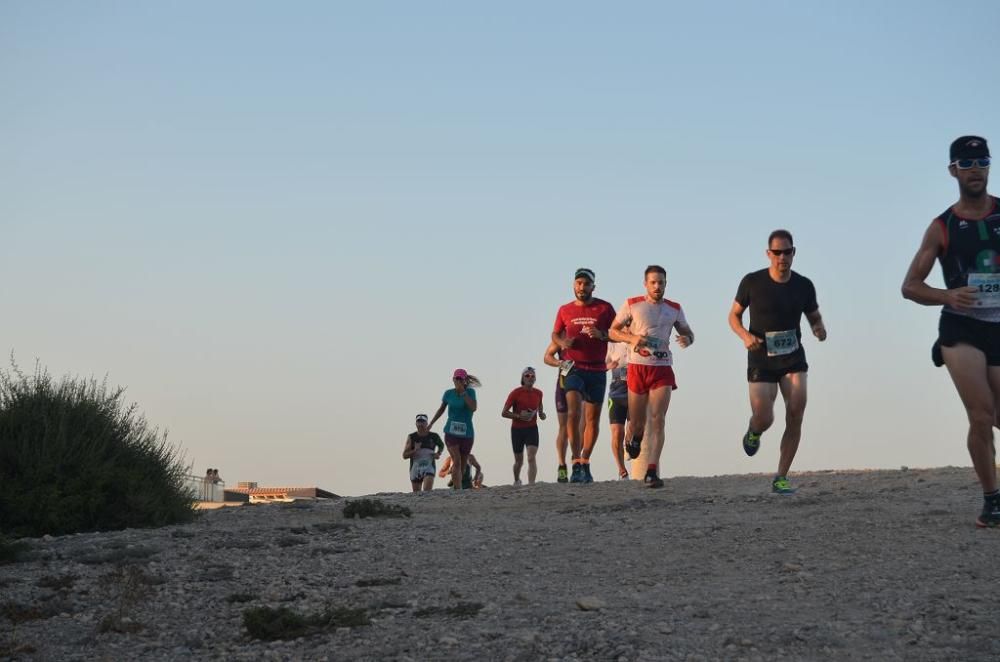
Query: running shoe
(577, 475)
(780, 485)
(633, 447)
(652, 480)
(562, 476)
(751, 443)
(990, 516)
(517, 481)
(587, 478)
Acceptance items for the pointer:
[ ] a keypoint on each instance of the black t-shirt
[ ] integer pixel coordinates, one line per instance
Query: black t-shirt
(775, 308)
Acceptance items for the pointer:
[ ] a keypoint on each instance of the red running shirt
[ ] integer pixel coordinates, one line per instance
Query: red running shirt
(524, 398)
(588, 353)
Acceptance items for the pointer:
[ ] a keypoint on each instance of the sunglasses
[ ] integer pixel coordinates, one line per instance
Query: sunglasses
(965, 164)
(777, 252)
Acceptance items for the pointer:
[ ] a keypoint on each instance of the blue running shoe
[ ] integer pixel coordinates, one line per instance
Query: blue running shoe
(577, 475)
(587, 478)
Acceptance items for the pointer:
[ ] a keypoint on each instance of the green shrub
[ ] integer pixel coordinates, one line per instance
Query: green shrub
(12, 551)
(269, 624)
(241, 597)
(460, 610)
(75, 457)
(283, 623)
(374, 508)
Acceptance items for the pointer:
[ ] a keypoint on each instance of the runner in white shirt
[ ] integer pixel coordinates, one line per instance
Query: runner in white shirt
(645, 323)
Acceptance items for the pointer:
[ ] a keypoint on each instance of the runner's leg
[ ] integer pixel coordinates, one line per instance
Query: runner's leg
(637, 403)
(762, 397)
(617, 449)
(574, 415)
(659, 400)
(793, 391)
(591, 430)
(532, 466)
(457, 465)
(972, 379)
(561, 438)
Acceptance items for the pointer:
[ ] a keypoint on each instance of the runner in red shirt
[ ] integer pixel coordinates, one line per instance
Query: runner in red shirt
(524, 408)
(581, 332)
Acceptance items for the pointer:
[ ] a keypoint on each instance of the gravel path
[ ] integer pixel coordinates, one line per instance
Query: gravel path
(858, 565)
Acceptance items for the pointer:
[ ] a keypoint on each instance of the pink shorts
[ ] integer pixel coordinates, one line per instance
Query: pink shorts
(645, 378)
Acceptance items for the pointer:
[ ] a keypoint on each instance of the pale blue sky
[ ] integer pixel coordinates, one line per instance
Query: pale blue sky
(282, 225)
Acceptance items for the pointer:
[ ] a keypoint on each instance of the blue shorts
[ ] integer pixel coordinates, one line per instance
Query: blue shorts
(591, 384)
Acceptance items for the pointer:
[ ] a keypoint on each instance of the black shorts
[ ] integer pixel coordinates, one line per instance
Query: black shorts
(618, 410)
(954, 329)
(521, 437)
(773, 375)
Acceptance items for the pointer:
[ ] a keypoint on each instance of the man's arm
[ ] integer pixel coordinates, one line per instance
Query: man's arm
(915, 289)
(408, 449)
(750, 341)
(685, 336)
(550, 355)
(816, 323)
(508, 409)
(620, 331)
(558, 335)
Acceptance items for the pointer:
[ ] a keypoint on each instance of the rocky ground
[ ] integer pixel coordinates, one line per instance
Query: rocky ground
(858, 565)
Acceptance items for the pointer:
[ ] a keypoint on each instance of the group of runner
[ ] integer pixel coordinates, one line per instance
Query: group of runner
(591, 339)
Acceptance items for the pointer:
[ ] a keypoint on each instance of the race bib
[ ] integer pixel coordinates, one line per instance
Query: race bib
(653, 343)
(780, 343)
(458, 428)
(988, 286)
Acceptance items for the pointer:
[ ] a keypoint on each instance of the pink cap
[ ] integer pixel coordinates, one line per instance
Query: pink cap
(460, 374)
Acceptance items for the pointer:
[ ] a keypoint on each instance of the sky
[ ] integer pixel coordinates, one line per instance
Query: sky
(281, 226)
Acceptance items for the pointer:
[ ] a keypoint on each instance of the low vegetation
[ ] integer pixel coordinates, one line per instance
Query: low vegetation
(282, 623)
(374, 508)
(75, 457)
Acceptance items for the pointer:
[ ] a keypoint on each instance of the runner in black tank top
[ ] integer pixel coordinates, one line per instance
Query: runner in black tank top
(965, 239)
(777, 298)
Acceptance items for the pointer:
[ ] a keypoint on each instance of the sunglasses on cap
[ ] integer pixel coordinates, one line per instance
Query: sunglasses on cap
(777, 252)
(965, 164)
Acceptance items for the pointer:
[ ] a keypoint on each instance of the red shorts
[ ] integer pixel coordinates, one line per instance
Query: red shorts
(644, 378)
